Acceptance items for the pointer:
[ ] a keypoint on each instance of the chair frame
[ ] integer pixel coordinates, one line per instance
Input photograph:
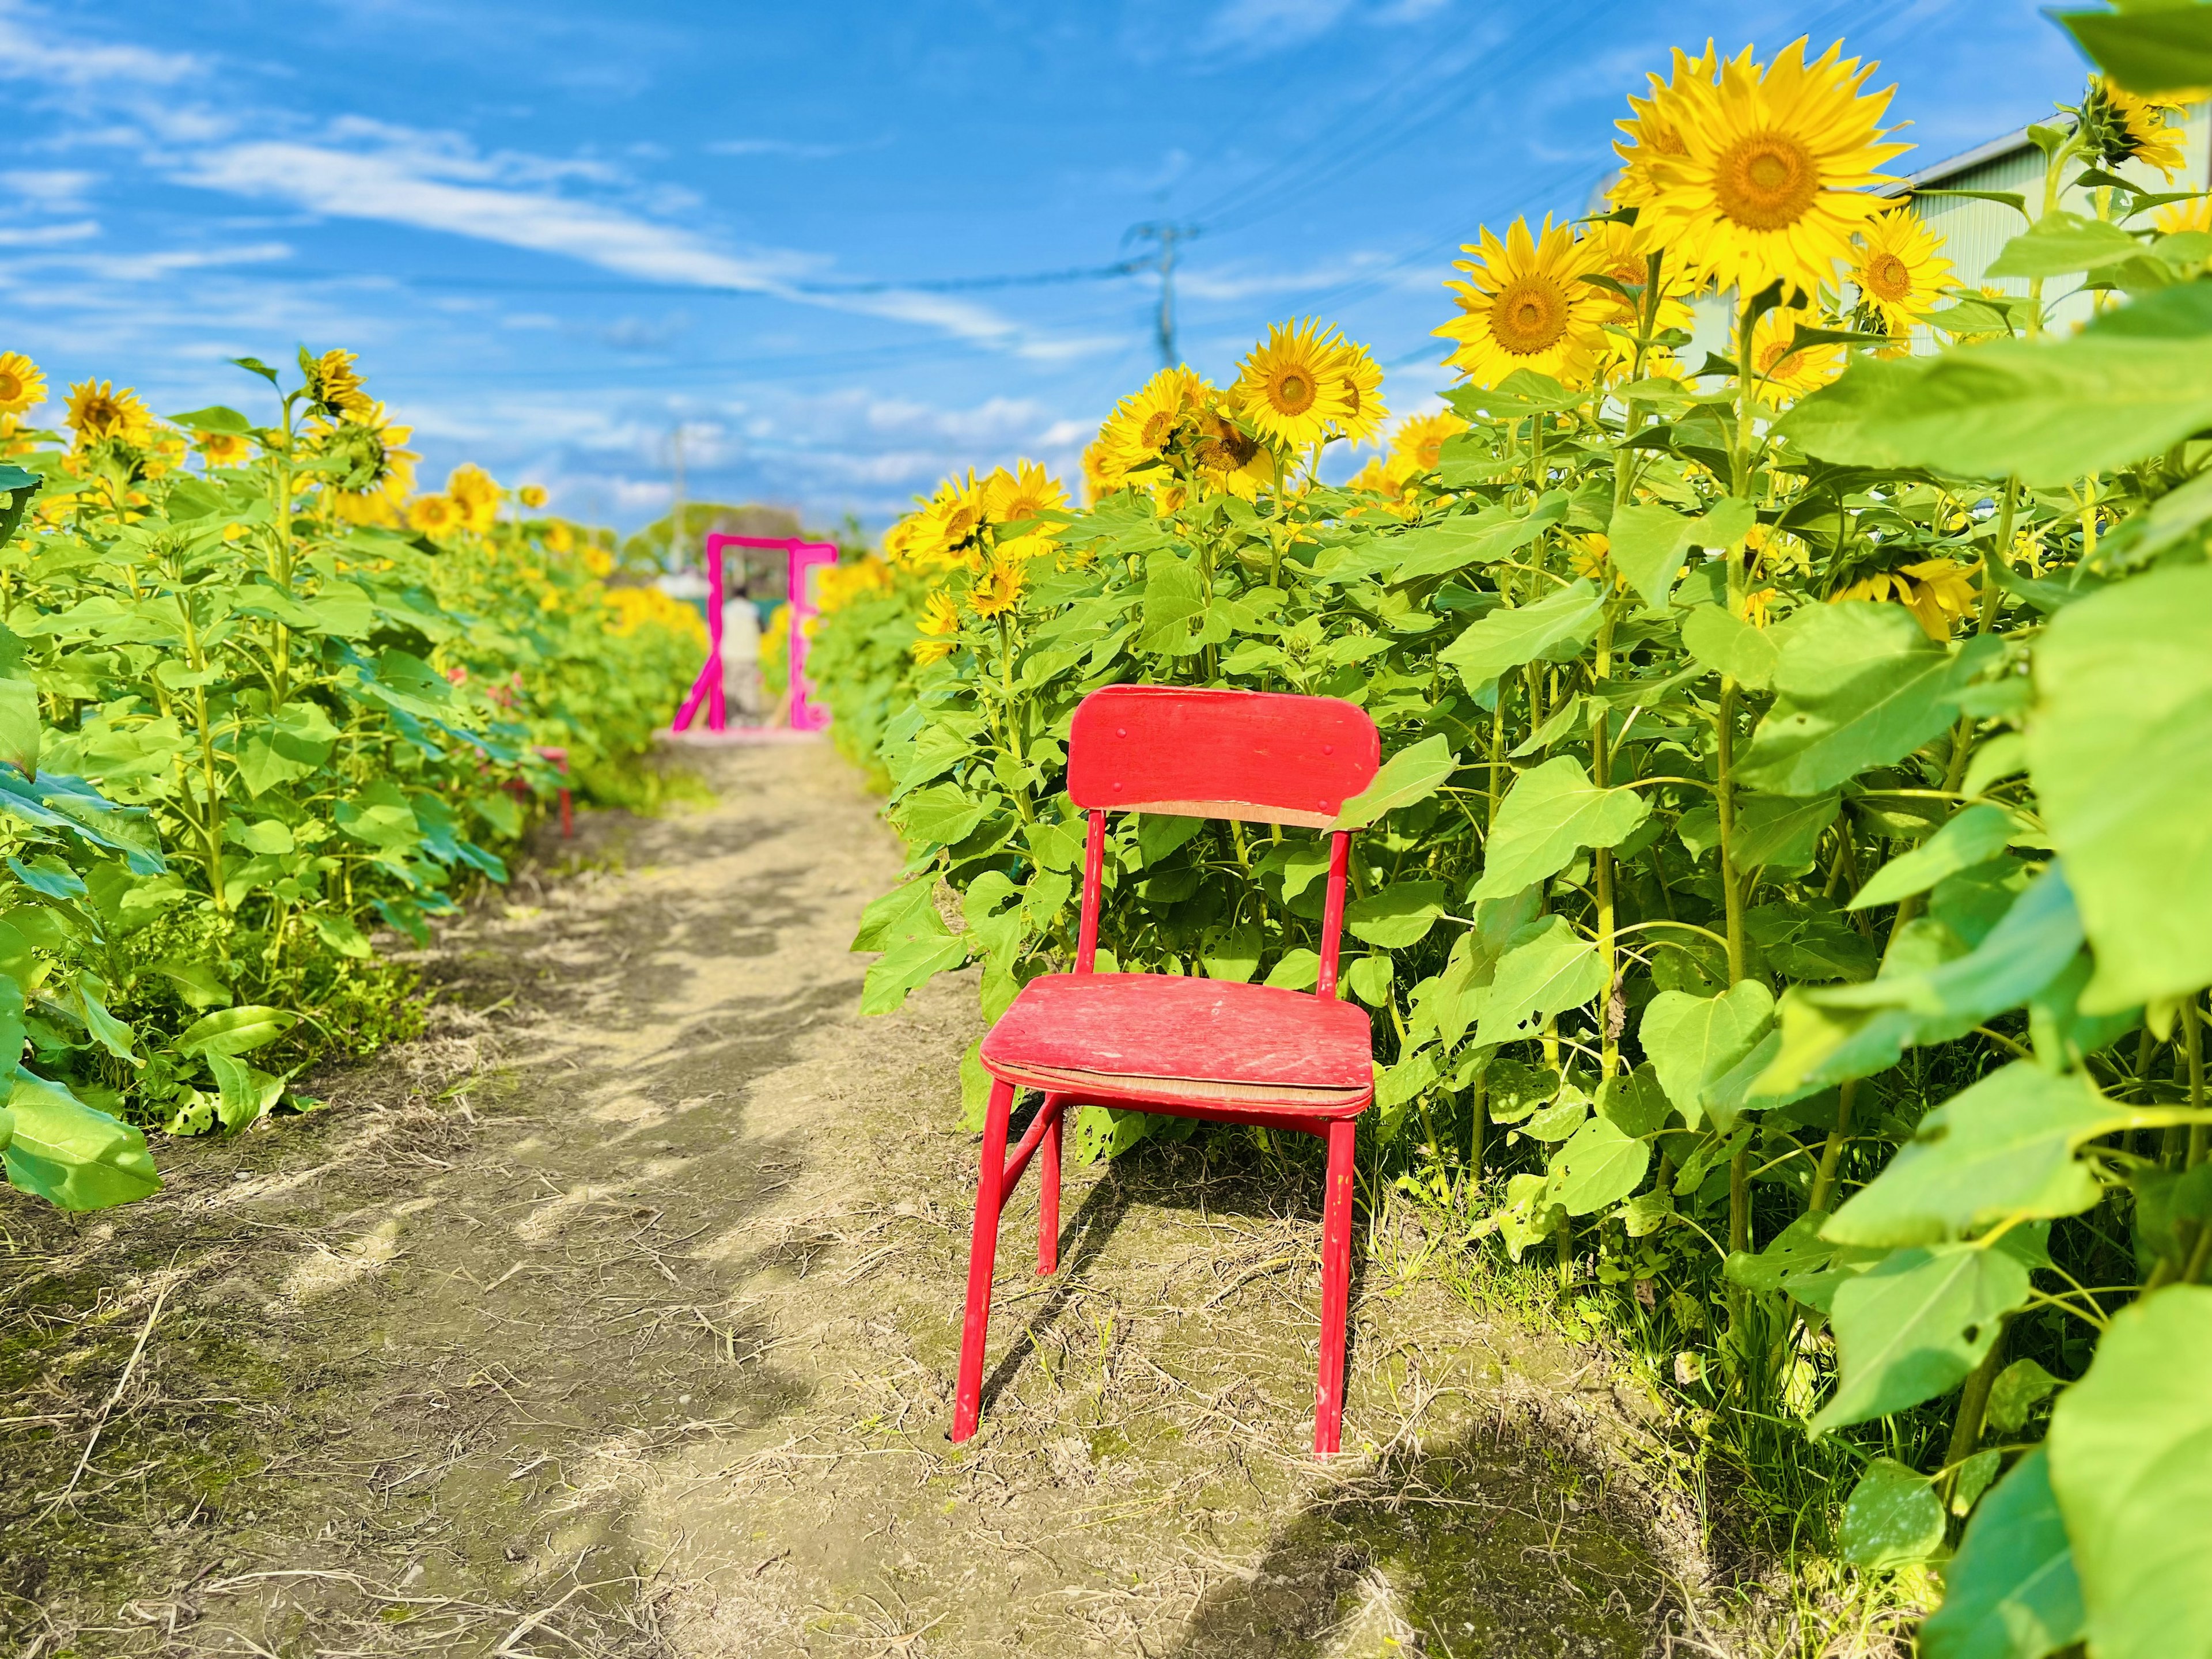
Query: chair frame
(1335, 1124)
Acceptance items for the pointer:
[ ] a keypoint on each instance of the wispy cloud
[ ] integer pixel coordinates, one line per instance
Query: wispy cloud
(437, 183)
(1266, 25)
(31, 49)
(1230, 284)
(56, 190)
(159, 265)
(49, 236)
(791, 148)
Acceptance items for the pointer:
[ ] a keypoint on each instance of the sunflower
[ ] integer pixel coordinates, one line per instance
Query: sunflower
(97, 412)
(1899, 268)
(1291, 388)
(898, 541)
(561, 538)
(21, 386)
(941, 614)
(949, 523)
(1026, 493)
(165, 453)
(926, 652)
(378, 469)
(532, 496)
(1773, 179)
(223, 448)
(1231, 461)
(1100, 477)
(2118, 127)
(1146, 424)
(1587, 557)
(1527, 308)
(1935, 591)
(476, 493)
(1623, 253)
(1789, 372)
(1654, 130)
(433, 515)
(1419, 442)
(2195, 214)
(1000, 590)
(1360, 378)
(334, 384)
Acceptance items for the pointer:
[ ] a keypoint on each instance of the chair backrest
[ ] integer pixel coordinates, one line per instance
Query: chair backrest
(1264, 756)
(1188, 751)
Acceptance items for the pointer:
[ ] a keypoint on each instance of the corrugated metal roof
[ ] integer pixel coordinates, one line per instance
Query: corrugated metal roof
(1965, 161)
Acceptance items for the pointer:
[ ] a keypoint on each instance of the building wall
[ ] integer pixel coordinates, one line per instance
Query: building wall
(1975, 233)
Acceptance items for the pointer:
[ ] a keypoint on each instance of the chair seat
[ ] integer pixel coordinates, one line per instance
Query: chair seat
(1157, 1036)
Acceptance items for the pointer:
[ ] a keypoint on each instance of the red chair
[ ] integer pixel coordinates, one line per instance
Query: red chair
(1190, 1048)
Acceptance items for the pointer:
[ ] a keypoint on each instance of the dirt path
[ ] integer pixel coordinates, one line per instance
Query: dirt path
(619, 1316)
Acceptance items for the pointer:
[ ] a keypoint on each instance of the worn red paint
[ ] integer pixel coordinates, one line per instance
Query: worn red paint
(1189, 1048)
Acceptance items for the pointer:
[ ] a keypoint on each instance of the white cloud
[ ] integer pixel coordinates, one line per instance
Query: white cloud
(56, 190)
(1202, 284)
(50, 235)
(156, 266)
(35, 48)
(434, 182)
(1262, 24)
(789, 146)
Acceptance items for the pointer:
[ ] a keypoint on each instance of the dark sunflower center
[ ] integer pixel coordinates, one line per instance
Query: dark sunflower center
(1887, 278)
(1528, 316)
(1767, 181)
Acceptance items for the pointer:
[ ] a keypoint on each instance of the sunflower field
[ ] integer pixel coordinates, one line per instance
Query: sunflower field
(259, 700)
(1785, 908)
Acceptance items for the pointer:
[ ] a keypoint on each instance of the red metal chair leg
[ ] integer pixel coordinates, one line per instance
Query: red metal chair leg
(982, 1258)
(1335, 1286)
(1048, 1189)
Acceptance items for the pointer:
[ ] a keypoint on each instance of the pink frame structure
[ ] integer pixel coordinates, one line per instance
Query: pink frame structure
(805, 715)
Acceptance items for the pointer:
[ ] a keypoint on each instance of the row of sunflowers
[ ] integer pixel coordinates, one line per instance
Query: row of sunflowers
(1784, 908)
(260, 700)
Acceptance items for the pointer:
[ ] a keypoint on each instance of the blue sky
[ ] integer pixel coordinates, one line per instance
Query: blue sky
(557, 231)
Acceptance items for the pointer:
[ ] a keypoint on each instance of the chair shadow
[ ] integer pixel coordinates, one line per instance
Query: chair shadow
(1082, 1238)
(1502, 1540)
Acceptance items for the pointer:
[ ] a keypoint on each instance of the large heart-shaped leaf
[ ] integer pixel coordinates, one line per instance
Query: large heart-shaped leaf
(2002, 1149)
(2117, 743)
(1552, 813)
(2131, 1463)
(2011, 1592)
(1857, 685)
(1911, 1328)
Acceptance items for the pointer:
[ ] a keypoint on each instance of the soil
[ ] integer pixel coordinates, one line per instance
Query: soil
(618, 1316)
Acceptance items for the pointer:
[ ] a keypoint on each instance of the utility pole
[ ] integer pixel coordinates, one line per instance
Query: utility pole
(1167, 235)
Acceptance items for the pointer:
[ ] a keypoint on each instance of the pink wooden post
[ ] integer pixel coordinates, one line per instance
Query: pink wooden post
(805, 716)
(708, 685)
